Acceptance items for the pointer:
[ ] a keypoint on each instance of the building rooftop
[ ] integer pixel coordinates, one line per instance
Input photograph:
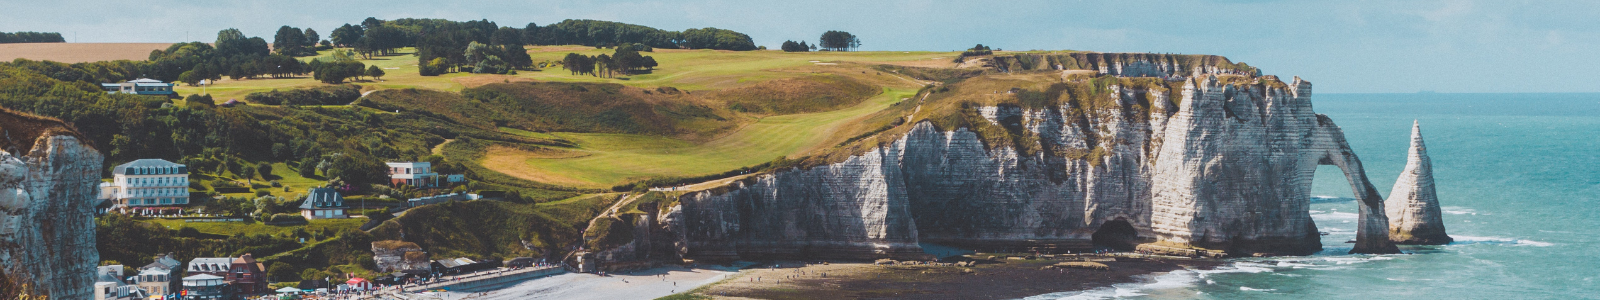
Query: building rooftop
(210, 264)
(150, 166)
(322, 198)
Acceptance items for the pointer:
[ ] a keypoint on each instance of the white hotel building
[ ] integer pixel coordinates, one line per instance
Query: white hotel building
(147, 182)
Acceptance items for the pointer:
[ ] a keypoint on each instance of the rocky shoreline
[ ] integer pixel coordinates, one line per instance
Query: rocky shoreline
(981, 276)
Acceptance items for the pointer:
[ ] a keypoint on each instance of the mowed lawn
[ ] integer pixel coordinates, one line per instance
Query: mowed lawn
(604, 160)
(683, 69)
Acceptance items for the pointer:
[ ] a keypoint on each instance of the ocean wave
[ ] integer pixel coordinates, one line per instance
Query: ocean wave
(1336, 216)
(1165, 281)
(1330, 199)
(1457, 210)
(1250, 289)
(1468, 240)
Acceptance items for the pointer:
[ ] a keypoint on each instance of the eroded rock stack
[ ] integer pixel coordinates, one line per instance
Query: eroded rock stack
(1228, 166)
(1413, 204)
(48, 178)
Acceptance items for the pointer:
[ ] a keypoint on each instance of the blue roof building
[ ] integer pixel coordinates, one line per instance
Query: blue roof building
(323, 203)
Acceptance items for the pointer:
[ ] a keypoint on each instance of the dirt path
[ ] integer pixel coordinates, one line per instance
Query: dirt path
(439, 149)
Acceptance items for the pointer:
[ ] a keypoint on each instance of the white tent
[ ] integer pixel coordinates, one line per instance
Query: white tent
(290, 289)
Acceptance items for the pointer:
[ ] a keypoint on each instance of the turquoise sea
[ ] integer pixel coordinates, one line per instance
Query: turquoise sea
(1518, 176)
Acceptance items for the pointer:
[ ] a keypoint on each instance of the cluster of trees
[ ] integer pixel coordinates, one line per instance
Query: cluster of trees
(370, 38)
(625, 60)
(792, 46)
(978, 50)
(835, 40)
(292, 41)
(445, 46)
(487, 58)
(340, 67)
(234, 56)
(31, 37)
(607, 33)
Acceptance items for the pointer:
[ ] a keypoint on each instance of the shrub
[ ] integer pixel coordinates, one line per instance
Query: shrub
(326, 95)
(287, 218)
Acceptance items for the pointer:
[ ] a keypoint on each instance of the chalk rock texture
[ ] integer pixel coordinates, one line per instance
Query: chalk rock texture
(1413, 204)
(1225, 167)
(47, 194)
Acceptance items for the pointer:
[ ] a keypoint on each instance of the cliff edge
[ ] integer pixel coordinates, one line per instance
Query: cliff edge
(48, 178)
(1181, 158)
(1413, 204)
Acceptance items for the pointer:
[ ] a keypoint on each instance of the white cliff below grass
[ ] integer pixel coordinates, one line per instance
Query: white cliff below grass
(1225, 170)
(1413, 204)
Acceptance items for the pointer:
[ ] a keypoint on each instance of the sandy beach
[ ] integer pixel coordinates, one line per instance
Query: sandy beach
(1004, 279)
(643, 284)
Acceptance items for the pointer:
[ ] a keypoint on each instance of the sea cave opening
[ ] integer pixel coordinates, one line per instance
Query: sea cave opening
(1117, 235)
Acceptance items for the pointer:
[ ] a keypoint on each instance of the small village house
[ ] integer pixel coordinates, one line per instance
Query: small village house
(147, 183)
(108, 285)
(141, 86)
(323, 203)
(244, 273)
(159, 277)
(206, 287)
(412, 173)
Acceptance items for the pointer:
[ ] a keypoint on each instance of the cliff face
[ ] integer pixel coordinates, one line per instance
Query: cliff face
(1228, 168)
(46, 206)
(1413, 205)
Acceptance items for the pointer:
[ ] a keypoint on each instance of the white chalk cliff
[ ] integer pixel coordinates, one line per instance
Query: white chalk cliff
(1227, 167)
(1413, 204)
(48, 179)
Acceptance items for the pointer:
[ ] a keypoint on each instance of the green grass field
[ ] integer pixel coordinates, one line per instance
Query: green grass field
(231, 228)
(683, 69)
(609, 159)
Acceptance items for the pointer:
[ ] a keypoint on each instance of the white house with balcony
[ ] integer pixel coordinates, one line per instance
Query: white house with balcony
(147, 182)
(412, 173)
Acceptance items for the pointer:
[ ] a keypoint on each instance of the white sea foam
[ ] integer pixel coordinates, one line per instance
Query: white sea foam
(1330, 199)
(1174, 280)
(1336, 216)
(1246, 288)
(1457, 210)
(1467, 240)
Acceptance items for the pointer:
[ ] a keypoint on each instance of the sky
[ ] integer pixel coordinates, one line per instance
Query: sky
(1340, 46)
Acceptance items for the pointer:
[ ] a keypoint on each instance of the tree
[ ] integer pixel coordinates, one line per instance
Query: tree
(792, 46)
(375, 72)
(346, 35)
(265, 168)
(189, 78)
(835, 40)
(507, 36)
(308, 167)
(280, 271)
(371, 22)
(288, 41)
(311, 38)
(249, 173)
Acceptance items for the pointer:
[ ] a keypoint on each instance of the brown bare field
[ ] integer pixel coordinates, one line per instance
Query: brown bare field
(514, 162)
(79, 52)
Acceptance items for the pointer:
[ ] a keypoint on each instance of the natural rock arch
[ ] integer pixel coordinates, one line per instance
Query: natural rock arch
(1329, 148)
